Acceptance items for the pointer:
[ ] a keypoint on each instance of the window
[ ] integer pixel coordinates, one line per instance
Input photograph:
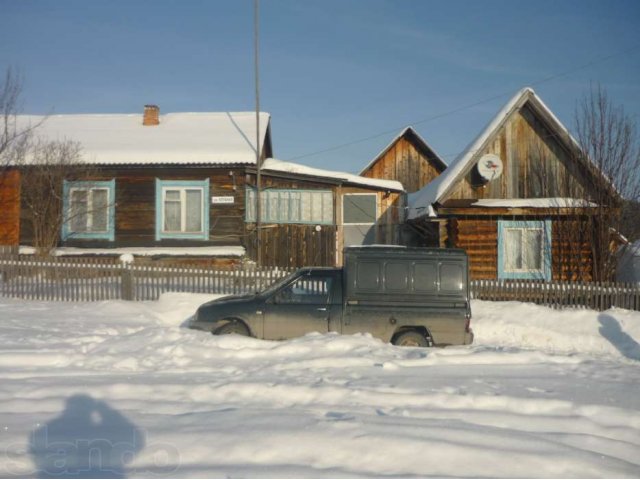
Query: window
(89, 209)
(524, 249)
(306, 290)
(182, 209)
(359, 209)
(359, 215)
(291, 206)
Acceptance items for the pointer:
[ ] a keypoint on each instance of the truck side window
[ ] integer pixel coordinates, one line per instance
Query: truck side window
(451, 277)
(306, 290)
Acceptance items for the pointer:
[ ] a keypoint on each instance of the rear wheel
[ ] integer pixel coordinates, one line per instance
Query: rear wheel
(411, 338)
(233, 327)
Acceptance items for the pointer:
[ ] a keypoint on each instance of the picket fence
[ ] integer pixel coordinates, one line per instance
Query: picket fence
(95, 279)
(595, 295)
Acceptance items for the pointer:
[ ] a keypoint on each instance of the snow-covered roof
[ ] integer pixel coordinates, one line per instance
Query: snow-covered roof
(421, 203)
(281, 166)
(225, 251)
(533, 203)
(180, 138)
(405, 131)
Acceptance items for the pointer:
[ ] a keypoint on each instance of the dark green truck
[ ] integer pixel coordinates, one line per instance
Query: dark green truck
(406, 296)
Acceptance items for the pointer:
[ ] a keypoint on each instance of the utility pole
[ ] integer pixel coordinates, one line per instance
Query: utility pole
(258, 149)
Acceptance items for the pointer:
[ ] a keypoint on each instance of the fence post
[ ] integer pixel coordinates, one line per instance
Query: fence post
(126, 284)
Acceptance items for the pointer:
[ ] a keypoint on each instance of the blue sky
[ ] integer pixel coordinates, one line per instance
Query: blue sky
(332, 72)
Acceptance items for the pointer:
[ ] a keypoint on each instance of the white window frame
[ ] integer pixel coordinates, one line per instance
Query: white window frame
(183, 208)
(542, 226)
(183, 186)
(88, 233)
(289, 206)
(522, 247)
(89, 213)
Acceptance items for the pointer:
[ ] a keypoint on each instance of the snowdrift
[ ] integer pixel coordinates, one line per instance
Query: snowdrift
(541, 393)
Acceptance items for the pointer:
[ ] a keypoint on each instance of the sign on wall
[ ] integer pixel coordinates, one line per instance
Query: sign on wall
(222, 200)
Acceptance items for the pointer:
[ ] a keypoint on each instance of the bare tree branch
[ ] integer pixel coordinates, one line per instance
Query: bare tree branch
(44, 168)
(609, 143)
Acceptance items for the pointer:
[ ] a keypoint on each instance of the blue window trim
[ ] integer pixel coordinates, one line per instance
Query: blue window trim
(67, 186)
(204, 184)
(264, 214)
(545, 225)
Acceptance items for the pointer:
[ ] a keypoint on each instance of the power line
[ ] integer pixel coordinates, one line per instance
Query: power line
(468, 106)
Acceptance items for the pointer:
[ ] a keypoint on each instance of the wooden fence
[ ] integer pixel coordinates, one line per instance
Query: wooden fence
(596, 295)
(68, 279)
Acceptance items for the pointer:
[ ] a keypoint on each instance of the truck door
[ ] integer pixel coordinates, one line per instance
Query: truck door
(301, 307)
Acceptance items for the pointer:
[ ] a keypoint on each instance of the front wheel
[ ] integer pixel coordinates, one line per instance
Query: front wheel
(233, 327)
(411, 338)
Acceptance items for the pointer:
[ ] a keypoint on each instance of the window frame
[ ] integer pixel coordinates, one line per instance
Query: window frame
(543, 226)
(375, 216)
(70, 186)
(182, 185)
(250, 213)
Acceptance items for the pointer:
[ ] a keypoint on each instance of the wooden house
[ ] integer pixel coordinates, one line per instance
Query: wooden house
(515, 199)
(407, 159)
(182, 185)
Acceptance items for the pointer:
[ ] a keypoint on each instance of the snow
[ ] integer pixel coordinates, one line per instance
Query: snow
(534, 203)
(116, 384)
(179, 139)
(225, 251)
(436, 189)
(272, 164)
(629, 263)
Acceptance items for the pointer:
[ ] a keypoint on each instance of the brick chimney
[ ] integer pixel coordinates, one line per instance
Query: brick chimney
(151, 115)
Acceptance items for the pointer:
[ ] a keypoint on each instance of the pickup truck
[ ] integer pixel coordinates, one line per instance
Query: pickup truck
(406, 296)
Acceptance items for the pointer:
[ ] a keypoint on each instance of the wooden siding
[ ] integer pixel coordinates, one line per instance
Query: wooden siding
(9, 207)
(405, 163)
(294, 245)
(535, 164)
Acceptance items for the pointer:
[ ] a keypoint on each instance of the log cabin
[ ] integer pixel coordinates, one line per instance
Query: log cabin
(183, 186)
(516, 199)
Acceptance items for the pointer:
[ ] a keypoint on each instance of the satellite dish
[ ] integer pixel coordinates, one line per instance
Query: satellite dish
(489, 167)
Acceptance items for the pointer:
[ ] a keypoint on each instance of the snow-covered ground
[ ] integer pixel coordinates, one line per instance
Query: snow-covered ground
(121, 386)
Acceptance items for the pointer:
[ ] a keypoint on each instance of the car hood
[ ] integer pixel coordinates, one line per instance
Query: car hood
(230, 299)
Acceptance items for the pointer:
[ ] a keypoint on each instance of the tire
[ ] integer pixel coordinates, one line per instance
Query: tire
(411, 338)
(234, 327)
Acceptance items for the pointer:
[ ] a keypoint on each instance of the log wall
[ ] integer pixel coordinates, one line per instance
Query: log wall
(570, 256)
(9, 207)
(479, 238)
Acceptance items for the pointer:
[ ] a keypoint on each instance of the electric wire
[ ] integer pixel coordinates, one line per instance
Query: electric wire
(468, 106)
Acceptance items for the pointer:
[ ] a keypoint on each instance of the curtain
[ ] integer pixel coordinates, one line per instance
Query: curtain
(99, 209)
(78, 211)
(172, 208)
(194, 211)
